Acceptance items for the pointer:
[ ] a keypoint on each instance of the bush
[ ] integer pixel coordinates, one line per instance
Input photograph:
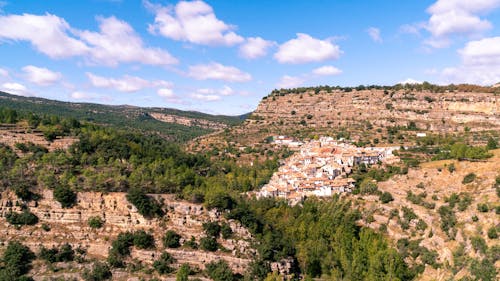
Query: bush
(146, 205)
(17, 260)
(163, 264)
(483, 208)
(209, 244)
(183, 272)
(23, 218)
(492, 233)
(64, 254)
(219, 271)
(479, 244)
(143, 240)
(191, 243)
(65, 196)
(469, 178)
(386, 197)
(226, 231)
(95, 222)
(368, 186)
(451, 168)
(212, 229)
(171, 239)
(100, 272)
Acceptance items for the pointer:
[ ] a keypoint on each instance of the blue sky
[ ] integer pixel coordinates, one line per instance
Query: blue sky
(224, 56)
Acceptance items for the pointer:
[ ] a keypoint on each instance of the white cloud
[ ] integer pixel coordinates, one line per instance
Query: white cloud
(327, 70)
(410, 81)
(166, 93)
(217, 71)
(374, 34)
(480, 63)
(194, 22)
(115, 43)
(203, 97)
(290, 82)
(4, 72)
(15, 89)
(255, 47)
(449, 18)
(47, 33)
(226, 91)
(305, 49)
(78, 95)
(41, 76)
(125, 84)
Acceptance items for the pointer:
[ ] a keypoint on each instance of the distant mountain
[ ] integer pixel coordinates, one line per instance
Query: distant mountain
(174, 124)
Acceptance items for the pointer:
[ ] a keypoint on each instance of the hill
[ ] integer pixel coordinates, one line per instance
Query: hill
(173, 124)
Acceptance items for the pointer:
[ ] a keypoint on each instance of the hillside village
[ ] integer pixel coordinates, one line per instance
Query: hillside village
(321, 168)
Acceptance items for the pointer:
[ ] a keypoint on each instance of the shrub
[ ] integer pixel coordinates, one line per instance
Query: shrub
(368, 186)
(100, 272)
(219, 271)
(483, 208)
(492, 233)
(17, 260)
(183, 272)
(212, 229)
(65, 196)
(386, 197)
(226, 231)
(191, 243)
(23, 218)
(171, 239)
(146, 205)
(469, 178)
(209, 244)
(143, 240)
(475, 218)
(163, 264)
(63, 254)
(451, 168)
(479, 244)
(95, 222)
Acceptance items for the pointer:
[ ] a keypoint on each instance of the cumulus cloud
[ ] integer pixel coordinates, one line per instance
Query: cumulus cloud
(480, 63)
(125, 84)
(454, 17)
(207, 94)
(305, 49)
(116, 42)
(290, 82)
(49, 34)
(217, 71)
(327, 70)
(41, 76)
(374, 34)
(194, 22)
(255, 47)
(15, 89)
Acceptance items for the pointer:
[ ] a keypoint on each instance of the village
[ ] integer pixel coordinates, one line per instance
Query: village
(321, 168)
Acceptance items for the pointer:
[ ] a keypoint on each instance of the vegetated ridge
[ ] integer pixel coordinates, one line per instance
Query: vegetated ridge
(174, 124)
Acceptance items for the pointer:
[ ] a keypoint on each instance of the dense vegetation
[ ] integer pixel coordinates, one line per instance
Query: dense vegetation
(425, 86)
(123, 117)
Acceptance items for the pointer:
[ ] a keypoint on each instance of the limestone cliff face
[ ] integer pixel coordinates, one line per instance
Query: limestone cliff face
(71, 226)
(433, 111)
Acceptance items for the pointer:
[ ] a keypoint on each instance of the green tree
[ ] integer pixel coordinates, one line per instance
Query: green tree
(183, 272)
(171, 239)
(219, 271)
(65, 196)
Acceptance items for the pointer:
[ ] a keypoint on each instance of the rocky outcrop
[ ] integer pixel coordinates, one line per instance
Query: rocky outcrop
(71, 226)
